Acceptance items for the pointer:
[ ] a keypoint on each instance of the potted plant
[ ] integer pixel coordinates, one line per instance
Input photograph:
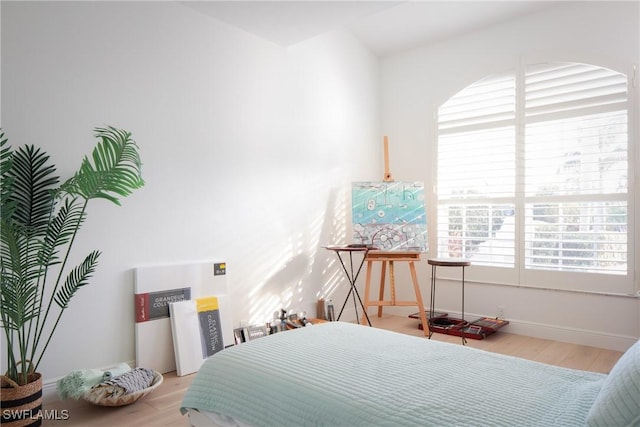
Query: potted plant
(39, 221)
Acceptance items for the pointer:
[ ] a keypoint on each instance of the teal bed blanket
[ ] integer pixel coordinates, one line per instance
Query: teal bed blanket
(342, 374)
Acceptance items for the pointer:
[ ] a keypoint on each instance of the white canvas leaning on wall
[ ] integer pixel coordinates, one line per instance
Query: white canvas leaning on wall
(198, 328)
(155, 288)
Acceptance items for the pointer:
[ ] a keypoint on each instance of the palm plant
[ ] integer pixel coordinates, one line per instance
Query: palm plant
(39, 223)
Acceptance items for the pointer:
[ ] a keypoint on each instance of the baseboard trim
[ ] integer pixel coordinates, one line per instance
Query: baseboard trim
(579, 336)
(563, 334)
(49, 390)
(571, 335)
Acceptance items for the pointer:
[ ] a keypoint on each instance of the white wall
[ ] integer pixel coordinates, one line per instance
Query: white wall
(248, 152)
(416, 82)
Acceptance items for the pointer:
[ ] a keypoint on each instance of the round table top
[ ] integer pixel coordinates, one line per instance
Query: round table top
(348, 248)
(449, 262)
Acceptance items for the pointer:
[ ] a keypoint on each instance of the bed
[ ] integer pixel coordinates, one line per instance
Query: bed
(343, 374)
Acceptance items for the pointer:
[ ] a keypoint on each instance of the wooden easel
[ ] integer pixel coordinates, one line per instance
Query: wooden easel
(388, 258)
(387, 172)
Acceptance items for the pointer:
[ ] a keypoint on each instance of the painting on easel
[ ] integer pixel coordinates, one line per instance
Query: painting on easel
(390, 215)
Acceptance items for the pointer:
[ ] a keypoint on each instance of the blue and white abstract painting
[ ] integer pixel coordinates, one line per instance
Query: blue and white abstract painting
(390, 215)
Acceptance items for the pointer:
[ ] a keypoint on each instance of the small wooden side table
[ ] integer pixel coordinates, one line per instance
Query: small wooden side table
(390, 258)
(445, 262)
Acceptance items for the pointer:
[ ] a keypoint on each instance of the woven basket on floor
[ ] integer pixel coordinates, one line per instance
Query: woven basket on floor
(21, 401)
(126, 399)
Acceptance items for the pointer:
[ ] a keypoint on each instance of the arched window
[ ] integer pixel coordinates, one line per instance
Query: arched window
(533, 182)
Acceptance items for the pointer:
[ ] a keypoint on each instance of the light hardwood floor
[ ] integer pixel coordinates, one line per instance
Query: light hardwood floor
(161, 408)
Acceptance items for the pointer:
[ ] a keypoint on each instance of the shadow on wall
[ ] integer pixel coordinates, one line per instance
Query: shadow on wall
(328, 275)
(310, 272)
(279, 290)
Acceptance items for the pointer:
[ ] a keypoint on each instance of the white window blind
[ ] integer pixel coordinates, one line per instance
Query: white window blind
(576, 169)
(540, 183)
(475, 207)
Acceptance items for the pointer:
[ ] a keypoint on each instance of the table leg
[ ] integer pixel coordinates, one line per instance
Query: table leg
(464, 340)
(346, 273)
(367, 288)
(345, 302)
(352, 278)
(353, 285)
(355, 289)
(432, 302)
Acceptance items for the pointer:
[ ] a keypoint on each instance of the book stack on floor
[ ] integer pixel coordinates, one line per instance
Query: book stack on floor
(476, 329)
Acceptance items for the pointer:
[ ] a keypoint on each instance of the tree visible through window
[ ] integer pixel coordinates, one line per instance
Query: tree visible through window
(532, 171)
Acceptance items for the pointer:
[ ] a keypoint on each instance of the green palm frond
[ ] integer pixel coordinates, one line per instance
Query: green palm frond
(33, 180)
(30, 201)
(19, 300)
(5, 153)
(61, 230)
(9, 248)
(116, 168)
(77, 278)
(19, 257)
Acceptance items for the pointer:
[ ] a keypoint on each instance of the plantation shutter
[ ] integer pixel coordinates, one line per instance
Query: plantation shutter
(476, 134)
(576, 168)
(533, 178)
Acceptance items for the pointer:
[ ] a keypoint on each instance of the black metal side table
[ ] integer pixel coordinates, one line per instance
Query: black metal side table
(445, 262)
(352, 275)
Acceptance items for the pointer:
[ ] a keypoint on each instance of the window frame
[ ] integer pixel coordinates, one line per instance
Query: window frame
(520, 276)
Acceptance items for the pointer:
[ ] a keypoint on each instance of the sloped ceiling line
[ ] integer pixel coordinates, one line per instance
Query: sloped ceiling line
(385, 27)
